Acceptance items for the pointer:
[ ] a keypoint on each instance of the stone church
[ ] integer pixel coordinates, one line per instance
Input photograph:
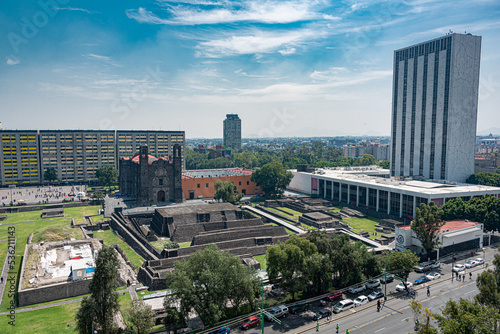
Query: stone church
(150, 179)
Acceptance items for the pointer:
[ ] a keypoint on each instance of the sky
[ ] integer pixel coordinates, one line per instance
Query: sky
(288, 68)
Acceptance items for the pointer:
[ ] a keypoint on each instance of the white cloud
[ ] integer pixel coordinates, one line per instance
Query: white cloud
(12, 61)
(287, 51)
(270, 12)
(76, 91)
(76, 9)
(105, 59)
(256, 42)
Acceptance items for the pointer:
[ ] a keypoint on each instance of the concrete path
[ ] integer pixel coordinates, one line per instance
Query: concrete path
(274, 219)
(370, 242)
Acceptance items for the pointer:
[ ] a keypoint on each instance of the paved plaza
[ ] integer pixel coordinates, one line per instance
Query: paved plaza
(40, 195)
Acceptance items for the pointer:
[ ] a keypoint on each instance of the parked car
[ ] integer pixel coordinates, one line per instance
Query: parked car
(356, 289)
(334, 295)
(433, 276)
(458, 267)
(322, 314)
(360, 300)
(435, 264)
(401, 286)
(389, 279)
(375, 295)
(299, 307)
(479, 261)
(422, 279)
(221, 330)
(424, 266)
(470, 264)
(343, 305)
(250, 323)
(373, 283)
(277, 312)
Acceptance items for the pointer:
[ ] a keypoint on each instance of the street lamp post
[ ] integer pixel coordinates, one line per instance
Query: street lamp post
(385, 277)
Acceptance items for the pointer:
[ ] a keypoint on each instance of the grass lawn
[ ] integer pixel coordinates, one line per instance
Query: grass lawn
(158, 244)
(21, 217)
(336, 208)
(365, 224)
(262, 261)
(295, 214)
(307, 227)
(184, 244)
(53, 320)
(110, 238)
(80, 211)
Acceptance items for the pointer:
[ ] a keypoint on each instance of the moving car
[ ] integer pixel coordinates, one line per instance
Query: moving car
(322, 314)
(373, 283)
(299, 307)
(277, 312)
(375, 295)
(221, 330)
(356, 289)
(250, 323)
(343, 305)
(334, 295)
(401, 286)
(470, 264)
(458, 267)
(422, 279)
(433, 276)
(389, 279)
(424, 266)
(435, 264)
(360, 300)
(479, 261)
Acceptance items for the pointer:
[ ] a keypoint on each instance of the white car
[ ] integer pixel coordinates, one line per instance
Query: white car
(479, 261)
(458, 268)
(470, 264)
(435, 264)
(433, 276)
(373, 283)
(356, 289)
(361, 300)
(401, 286)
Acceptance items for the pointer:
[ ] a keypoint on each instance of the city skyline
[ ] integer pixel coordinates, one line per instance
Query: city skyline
(288, 68)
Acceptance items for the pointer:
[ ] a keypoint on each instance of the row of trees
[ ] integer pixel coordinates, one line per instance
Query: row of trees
(485, 209)
(317, 155)
(107, 175)
(486, 179)
(481, 316)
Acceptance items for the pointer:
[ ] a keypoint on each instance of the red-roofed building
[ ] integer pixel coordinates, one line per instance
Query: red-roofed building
(201, 183)
(454, 235)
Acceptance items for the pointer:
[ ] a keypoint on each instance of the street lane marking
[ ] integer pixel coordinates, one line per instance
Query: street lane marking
(444, 292)
(378, 330)
(433, 297)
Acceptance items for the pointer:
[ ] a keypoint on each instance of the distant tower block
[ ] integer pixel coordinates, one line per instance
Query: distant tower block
(434, 108)
(232, 131)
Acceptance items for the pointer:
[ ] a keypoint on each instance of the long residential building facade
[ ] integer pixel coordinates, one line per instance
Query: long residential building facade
(76, 155)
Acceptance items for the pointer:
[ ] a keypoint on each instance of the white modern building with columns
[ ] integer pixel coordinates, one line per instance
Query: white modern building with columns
(372, 188)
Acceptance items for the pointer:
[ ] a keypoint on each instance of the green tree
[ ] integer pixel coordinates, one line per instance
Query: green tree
(210, 283)
(366, 160)
(226, 192)
(289, 261)
(173, 321)
(98, 195)
(426, 226)
(465, 317)
(102, 289)
(140, 316)
(386, 164)
(273, 178)
(424, 317)
(50, 174)
(402, 262)
(86, 317)
(108, 176)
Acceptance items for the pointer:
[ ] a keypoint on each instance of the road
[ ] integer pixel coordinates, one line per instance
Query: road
(395, 316)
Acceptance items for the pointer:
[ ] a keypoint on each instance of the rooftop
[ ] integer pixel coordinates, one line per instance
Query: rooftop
(194, 174)
(376, 176)
(171, 211)
(151, 158)
(449, 226)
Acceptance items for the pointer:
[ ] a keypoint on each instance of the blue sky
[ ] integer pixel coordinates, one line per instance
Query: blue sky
(288, 68)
